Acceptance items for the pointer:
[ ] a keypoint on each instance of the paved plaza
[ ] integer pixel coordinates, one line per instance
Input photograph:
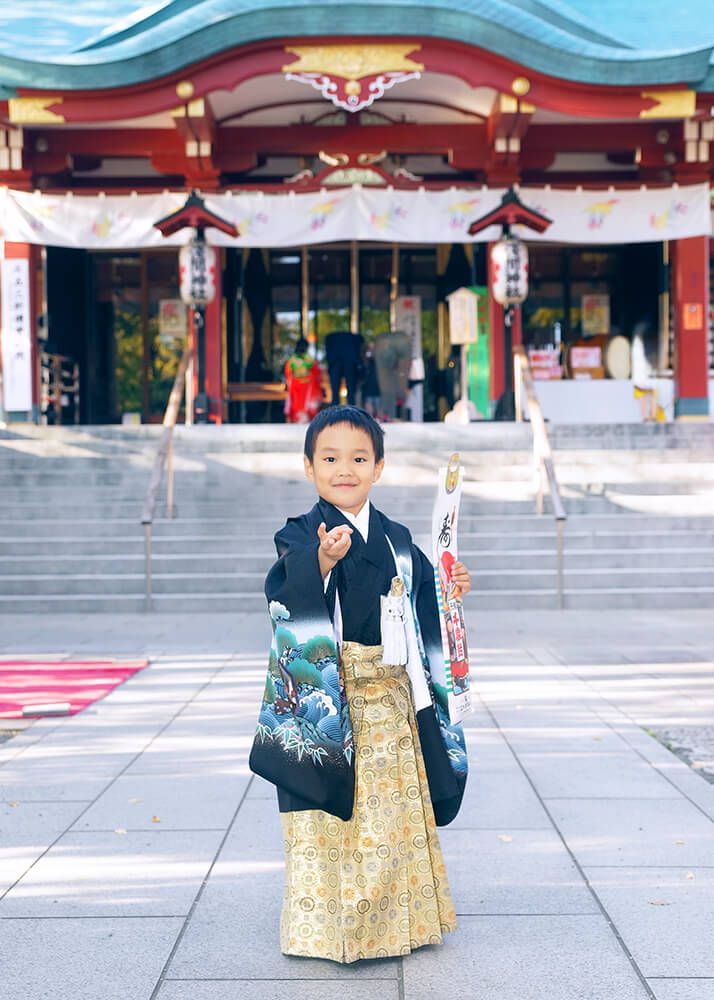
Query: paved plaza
(139, 858)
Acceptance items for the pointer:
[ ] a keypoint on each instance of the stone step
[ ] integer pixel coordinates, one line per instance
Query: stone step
(220, 451)
(272, 498)
(521, 522)
(656, 499)
(84, 479)
(25, 542)
(666, 598)
(648, 599)
(640, 532)
(88, 603)
(485, 580)
(117, 435)
(93, 507)
(514, 481)
(258, 545)
(127, 510)
(118, 440)
(258, 563)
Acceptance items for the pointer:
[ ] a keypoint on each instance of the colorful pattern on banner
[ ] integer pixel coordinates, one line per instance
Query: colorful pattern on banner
(357, 213)
(444, 525)
(16, 337)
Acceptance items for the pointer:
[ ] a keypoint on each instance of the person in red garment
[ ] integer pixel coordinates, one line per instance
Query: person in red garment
(304, 382)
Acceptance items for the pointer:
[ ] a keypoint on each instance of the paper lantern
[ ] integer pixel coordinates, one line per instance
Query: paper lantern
(509, 259)
(197, 270)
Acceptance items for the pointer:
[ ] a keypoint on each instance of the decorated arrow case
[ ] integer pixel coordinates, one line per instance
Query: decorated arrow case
(444, 527)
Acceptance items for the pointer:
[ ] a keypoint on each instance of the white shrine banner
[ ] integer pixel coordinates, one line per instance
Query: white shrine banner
(287, 220)
(16, 337)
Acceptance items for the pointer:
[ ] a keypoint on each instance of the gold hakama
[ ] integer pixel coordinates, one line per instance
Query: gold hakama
(376, 885)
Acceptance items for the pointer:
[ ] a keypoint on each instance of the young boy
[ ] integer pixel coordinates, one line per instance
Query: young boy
(365, 760)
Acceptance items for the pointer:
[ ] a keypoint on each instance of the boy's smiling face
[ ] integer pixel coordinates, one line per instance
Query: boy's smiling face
(343, 466)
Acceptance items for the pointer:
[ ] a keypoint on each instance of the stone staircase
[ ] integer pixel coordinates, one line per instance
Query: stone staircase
(640, 500)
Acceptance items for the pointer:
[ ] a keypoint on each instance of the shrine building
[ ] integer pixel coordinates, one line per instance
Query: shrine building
(351, 146)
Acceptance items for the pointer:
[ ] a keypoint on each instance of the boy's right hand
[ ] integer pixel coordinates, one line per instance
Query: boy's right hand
(334, 544)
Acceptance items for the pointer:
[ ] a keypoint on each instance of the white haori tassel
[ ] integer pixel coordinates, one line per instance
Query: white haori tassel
(394, 623)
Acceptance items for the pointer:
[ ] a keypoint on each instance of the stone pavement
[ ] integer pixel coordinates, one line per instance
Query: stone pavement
(139, 860)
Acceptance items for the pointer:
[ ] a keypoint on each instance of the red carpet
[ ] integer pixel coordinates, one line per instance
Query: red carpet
(44, 682)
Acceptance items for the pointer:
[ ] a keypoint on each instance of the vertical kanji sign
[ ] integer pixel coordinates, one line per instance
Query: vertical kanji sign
(16, 336)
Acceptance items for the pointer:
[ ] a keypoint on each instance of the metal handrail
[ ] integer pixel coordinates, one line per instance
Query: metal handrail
(164, 457)
(542, 454)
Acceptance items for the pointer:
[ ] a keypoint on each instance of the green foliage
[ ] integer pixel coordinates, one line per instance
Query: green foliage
(305, 673)
(284, 639)
(129, 338)
(329, 320)
(317, 648)
(374, 321)
(273, 663)
(129, 360)
(165, 359)
(270, 693)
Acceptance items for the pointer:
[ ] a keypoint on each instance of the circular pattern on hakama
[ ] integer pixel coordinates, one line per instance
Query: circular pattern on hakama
(375, 886)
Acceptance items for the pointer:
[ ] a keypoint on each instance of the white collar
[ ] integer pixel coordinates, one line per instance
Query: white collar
(361, 520)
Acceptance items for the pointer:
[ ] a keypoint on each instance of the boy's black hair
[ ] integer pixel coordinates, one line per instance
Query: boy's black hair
(352, 415)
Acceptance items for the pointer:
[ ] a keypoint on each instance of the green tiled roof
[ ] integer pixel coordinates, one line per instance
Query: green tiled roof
(84, 45)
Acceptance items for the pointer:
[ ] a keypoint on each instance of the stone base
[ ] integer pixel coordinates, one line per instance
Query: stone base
(691, 408)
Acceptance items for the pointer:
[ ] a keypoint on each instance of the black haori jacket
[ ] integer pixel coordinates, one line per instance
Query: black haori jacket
(303, 742)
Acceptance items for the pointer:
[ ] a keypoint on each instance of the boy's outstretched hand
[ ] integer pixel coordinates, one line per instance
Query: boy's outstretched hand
(334, 544)
(462, 578)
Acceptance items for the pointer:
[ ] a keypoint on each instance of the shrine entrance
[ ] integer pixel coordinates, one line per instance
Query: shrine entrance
(119, 318)
(311, 292)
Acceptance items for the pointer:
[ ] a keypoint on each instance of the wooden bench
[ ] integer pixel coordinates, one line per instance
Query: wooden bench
(251, 392)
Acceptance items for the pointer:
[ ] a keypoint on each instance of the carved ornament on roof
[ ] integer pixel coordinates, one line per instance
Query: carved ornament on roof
(353, 76)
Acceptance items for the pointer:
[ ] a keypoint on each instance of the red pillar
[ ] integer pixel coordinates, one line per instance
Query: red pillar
(214, 361)
(193, 341)
(517, 327)
(31, 254)
(212, 338)
(496, 338)
(691, 327)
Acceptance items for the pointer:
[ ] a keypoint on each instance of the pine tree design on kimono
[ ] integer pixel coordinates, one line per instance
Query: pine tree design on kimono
(304, 710)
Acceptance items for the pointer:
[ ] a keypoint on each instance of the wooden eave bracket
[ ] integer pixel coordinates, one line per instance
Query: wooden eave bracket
(193, 214)
(511, 212)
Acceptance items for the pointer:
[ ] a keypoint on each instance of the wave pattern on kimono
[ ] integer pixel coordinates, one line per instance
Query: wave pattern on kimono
(304, 743)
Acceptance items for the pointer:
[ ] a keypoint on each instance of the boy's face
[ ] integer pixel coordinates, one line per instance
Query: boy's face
(343, 466)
